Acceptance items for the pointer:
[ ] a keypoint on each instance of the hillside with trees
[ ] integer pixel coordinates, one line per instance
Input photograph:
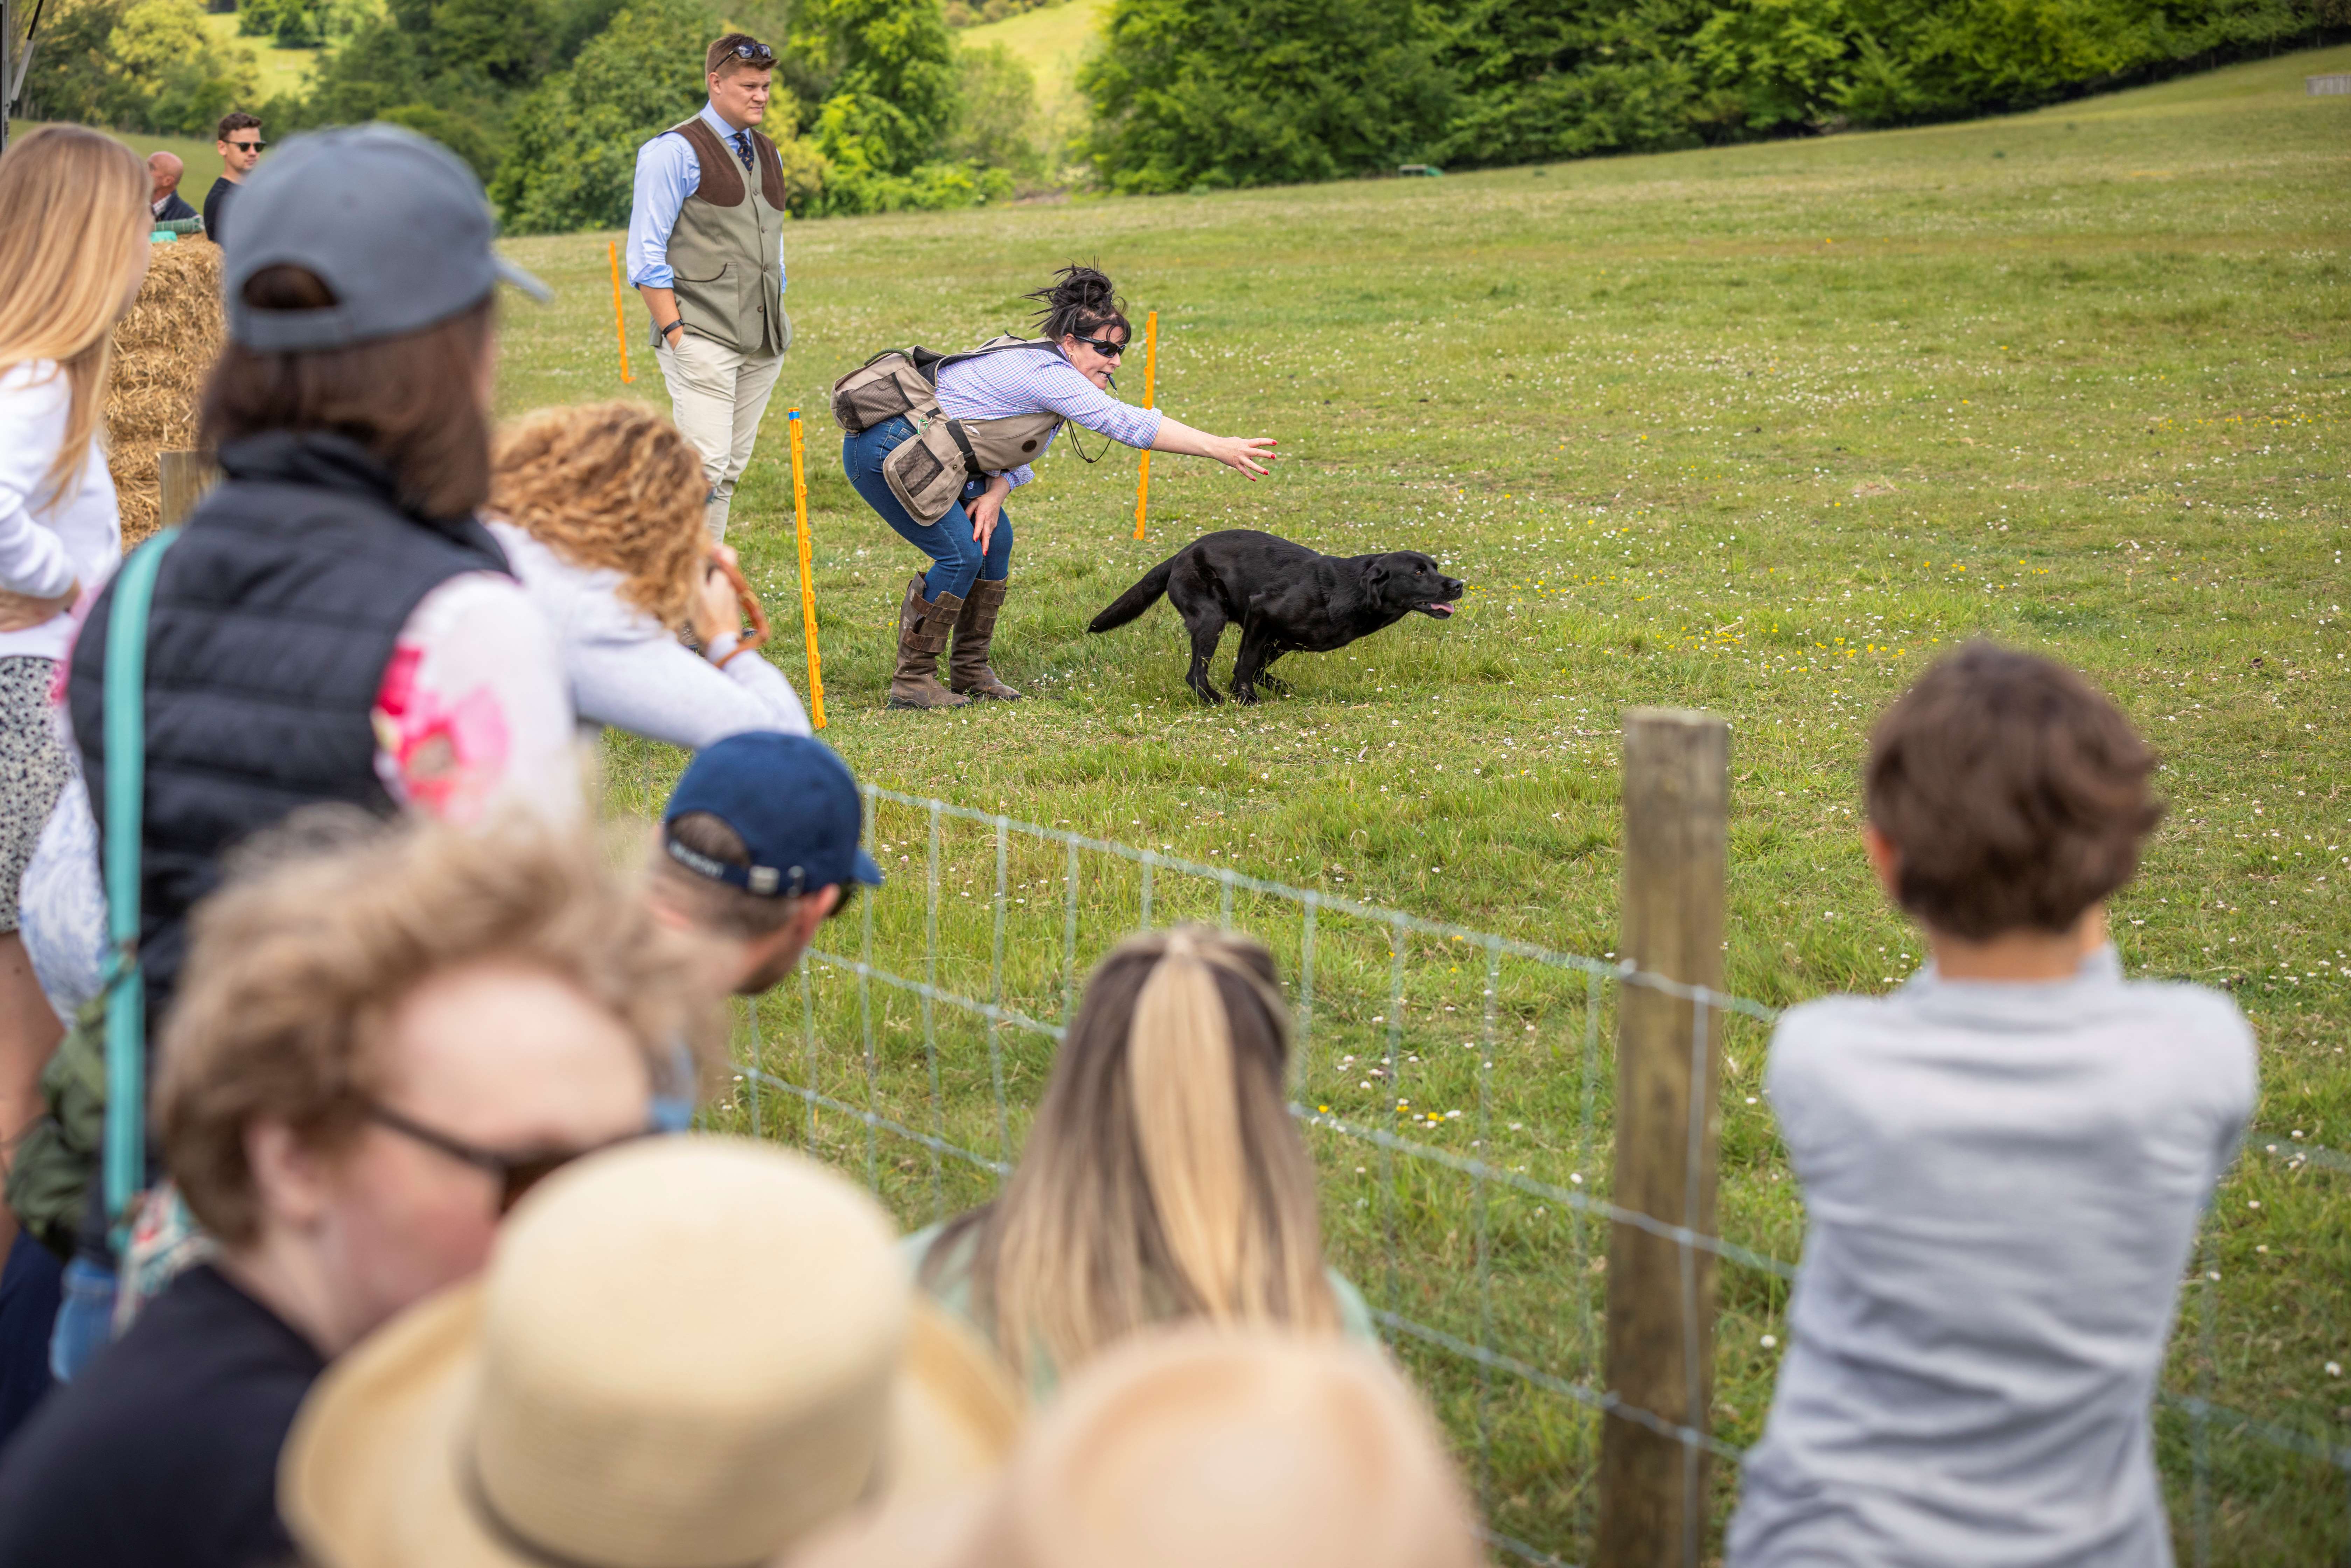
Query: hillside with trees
(880, 108)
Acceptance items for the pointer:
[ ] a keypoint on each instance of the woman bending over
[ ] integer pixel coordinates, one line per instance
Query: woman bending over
(1163, 1177)
(1063, 374)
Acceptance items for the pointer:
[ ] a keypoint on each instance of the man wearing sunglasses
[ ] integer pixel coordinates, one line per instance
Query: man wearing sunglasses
(239, 144)
(758, 848)
(375, 1051)
(707, 253)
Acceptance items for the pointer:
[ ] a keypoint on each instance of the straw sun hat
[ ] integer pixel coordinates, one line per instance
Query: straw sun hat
(1256, 1449)
(685, 1354)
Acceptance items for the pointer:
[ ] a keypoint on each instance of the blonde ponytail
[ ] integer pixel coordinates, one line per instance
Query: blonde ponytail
(1164, 1176)
(1187, 1128)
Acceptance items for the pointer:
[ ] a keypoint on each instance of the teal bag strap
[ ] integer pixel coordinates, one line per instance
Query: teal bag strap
(126, 792)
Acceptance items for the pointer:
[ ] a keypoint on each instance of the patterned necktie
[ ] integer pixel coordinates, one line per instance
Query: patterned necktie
(742, 148)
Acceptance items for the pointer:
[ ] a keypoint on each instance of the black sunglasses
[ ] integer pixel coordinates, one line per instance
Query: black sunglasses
(754, 52)
(248, 146)
(516, 1174)
(1107, 351)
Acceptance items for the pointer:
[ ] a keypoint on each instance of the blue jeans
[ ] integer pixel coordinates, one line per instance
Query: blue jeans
(29, 1296)
(955, 559)
(85, 1320)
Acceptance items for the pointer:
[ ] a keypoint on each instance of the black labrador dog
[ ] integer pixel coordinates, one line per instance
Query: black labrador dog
(1287, 600)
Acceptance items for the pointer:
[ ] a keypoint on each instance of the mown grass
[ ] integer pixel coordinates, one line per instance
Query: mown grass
(1760, 430)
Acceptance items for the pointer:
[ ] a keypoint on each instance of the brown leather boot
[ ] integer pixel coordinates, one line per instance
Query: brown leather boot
(967, 668)
(922, 628)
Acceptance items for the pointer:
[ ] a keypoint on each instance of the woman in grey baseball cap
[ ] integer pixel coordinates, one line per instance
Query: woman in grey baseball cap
(333, 623)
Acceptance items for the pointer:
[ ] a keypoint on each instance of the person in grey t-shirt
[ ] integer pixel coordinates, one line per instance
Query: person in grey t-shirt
(2005, 1160)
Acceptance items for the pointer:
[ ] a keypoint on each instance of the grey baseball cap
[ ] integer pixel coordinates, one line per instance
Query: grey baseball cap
(389, 220)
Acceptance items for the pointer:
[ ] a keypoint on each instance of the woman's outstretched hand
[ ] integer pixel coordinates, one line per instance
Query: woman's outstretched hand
(1244, 455)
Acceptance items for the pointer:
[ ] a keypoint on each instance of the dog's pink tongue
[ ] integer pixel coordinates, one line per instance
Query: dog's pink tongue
(1442, 609)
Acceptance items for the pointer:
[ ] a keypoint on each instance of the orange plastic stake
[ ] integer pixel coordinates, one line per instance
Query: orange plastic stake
(620, 321)
(1150, 369)
(808, 577)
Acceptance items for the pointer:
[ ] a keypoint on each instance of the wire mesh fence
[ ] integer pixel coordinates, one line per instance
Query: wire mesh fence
(1456, 1088)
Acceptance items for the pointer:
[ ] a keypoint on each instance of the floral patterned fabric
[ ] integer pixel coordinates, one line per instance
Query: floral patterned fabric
(474, 711)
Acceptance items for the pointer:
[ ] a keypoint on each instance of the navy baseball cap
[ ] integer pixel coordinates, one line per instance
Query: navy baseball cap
(392, 222)
(793, 803)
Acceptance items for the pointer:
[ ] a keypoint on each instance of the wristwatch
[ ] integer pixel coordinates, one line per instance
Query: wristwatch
(662, 333)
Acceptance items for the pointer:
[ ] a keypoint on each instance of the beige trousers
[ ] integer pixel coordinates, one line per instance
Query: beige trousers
(717, 395)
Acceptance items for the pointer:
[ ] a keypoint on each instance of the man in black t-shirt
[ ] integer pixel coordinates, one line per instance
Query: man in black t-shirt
(239, 144)
(372, 1053)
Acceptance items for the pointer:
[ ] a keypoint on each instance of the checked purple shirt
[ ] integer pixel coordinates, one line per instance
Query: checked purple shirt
(1018, 382)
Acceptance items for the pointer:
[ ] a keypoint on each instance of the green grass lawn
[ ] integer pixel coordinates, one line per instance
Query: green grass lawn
(1760, 430)
(278, 70)
(1050, 40)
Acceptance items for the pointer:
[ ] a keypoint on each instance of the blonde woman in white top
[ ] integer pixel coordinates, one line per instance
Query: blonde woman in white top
(74, 252)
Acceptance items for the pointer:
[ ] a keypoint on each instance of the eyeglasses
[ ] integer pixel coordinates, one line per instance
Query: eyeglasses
(1107, 351)
(517, 1173)
(248, 146)
(760, 52)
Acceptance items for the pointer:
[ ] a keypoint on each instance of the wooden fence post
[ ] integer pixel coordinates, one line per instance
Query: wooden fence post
(1661, 1295)
(181, 480)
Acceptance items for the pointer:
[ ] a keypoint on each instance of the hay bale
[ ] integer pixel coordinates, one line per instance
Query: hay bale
(163, 349)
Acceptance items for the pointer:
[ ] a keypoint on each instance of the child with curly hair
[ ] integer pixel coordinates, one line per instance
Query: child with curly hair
(598, 507)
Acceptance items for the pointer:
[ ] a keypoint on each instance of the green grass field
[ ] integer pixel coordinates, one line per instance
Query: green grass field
(1052, 41)
(1760, 430)
(278, 70)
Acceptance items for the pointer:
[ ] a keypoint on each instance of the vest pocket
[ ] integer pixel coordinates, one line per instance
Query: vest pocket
(925, 472)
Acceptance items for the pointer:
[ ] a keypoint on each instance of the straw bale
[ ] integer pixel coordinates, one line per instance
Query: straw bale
(163, 349)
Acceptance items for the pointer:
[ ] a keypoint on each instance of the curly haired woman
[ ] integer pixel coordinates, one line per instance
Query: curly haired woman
(599, 510)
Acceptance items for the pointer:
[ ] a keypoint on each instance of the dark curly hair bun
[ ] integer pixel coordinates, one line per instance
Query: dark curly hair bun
(1079, 301)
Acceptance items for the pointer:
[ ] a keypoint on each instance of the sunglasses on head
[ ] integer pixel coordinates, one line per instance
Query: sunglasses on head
(516, 1174)
(758, 53)
(253, 146)
(1108, 351)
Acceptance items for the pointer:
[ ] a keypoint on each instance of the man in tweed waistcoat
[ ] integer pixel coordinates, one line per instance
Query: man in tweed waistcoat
(707, 251)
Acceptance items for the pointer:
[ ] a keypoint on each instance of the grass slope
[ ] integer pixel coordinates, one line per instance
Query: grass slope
(1052, 42)
(1760, 430)
(278, 70)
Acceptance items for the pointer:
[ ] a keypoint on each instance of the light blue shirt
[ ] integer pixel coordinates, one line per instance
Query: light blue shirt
(2004, 1182)
(667, 173)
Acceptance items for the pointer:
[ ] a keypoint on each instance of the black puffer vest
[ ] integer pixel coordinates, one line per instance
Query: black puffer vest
(275, 615)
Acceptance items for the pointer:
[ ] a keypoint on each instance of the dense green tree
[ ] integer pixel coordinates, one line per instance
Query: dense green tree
(892, 64)
(380, 67)
(510, 42)
(571, 158)
(995, 122)
(1205, 93)
(1563, 79)
(68, 78)
(142, 64)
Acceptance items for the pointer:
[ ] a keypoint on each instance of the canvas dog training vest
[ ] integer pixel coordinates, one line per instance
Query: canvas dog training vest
(725, 251)
(927, 473)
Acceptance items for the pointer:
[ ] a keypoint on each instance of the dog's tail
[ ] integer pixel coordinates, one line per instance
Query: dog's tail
(1135, 600)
